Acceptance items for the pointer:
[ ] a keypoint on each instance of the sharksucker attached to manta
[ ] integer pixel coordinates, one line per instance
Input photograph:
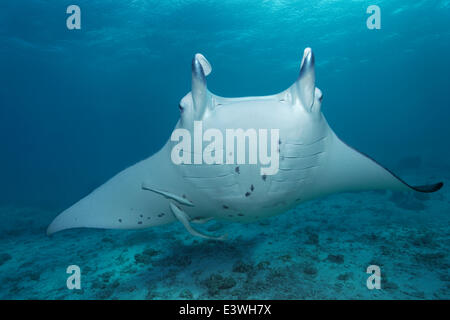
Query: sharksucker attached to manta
(313, 162)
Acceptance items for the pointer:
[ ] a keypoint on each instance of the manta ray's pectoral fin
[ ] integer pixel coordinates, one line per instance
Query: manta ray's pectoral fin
(185, 220)
(429, 188)
(345, 169)
(168, 195)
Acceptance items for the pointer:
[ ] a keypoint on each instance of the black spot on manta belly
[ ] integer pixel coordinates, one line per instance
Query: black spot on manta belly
(264, 177)
(247, 194)
(225, 207)
(120, 220)
(237, 170)
(252, 188)
(161, 214)
(139, 222)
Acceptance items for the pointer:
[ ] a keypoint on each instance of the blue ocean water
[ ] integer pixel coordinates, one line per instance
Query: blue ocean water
(78, 106)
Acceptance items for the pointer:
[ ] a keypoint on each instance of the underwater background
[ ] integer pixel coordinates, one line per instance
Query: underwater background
(78, 106)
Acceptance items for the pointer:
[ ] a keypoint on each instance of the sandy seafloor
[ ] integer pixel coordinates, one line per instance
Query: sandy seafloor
(319, 250)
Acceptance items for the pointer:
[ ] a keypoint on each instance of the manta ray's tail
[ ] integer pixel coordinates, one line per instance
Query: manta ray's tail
(346, 169)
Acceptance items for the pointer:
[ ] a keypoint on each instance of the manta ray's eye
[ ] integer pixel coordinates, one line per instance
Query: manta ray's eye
(181, 108)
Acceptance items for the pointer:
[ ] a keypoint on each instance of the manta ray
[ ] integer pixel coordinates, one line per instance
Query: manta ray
(313, 162)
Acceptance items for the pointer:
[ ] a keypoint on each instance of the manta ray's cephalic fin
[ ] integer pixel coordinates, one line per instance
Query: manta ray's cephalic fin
(185, 220)
(200, 94)
(198, 103)
(304, 89)
(168, 195)
(204, 63)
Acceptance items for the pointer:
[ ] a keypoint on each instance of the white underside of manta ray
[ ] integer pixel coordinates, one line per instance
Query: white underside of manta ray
(313, 162)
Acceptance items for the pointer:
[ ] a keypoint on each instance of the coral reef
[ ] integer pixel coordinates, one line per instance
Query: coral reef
(320, 250)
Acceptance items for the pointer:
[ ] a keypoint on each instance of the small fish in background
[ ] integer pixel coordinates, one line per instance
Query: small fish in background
(313, 162)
